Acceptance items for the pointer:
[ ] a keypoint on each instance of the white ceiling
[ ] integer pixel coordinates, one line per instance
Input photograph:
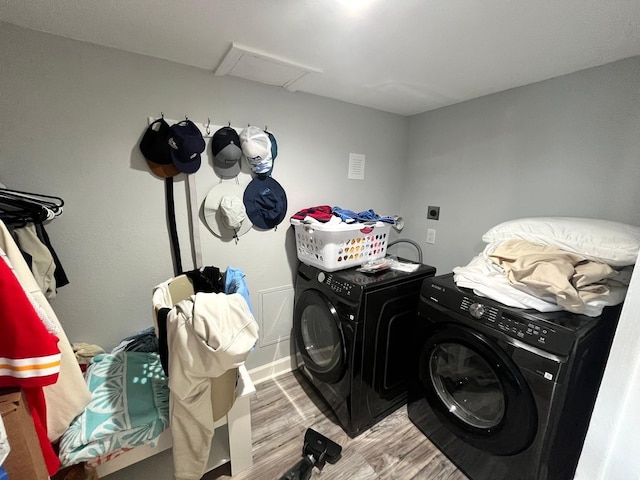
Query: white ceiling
(402, 56)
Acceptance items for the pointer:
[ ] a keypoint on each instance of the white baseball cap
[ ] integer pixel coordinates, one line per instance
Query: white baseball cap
(256, 147)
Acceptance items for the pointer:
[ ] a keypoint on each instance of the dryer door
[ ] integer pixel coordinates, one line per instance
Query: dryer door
(319, 336)
(476, 390)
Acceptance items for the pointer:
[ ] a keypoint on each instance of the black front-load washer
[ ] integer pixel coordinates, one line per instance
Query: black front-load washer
(505, 393)
(352, 332)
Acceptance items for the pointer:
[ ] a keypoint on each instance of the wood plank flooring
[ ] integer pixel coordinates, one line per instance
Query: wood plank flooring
(286, 406)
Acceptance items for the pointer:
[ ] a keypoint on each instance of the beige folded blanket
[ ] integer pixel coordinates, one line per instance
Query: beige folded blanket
(555, 275)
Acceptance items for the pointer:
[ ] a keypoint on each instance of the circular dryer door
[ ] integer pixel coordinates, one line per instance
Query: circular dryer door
(318, 335)
(476, 390)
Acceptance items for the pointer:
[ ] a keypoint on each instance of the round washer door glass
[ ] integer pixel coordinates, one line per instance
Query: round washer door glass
(467, 385)
(321, 338)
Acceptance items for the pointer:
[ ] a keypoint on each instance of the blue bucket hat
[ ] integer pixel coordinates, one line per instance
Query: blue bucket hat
(266, 202)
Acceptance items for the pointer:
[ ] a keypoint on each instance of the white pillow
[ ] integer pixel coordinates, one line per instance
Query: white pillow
(613, 243)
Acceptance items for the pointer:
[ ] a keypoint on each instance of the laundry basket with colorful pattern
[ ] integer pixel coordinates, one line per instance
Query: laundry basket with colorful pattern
(334, 247)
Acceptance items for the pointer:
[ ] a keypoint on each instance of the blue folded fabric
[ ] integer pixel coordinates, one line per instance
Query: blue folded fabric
(234, 283)
(349, 216)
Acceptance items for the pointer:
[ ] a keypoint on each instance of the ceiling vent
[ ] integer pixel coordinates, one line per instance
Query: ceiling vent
(263, 68)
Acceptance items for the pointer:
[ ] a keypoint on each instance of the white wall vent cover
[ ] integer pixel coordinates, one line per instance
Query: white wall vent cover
(263, 68)
(275, 311)
(356, 166)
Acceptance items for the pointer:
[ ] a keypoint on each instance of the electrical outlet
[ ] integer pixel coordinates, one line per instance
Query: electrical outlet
(431, 236)
(433, 213)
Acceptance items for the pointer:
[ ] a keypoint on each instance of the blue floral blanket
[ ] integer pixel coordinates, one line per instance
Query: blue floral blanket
(129, 407)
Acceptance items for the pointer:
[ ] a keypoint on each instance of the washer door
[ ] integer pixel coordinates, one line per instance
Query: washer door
(476, 390)
(319, 336)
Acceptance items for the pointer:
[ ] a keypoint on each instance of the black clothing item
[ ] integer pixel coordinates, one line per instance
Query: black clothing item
(59, 273)
(163, 346)
(206, 279)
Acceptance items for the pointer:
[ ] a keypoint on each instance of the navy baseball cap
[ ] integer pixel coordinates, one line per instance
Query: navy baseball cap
(156, 150)
(186, 145)
(274, 151)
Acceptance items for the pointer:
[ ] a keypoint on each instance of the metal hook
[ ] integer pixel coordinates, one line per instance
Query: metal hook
(229, 124)
(186, 118)
(208, 124)
(266, 129)
(162, 115)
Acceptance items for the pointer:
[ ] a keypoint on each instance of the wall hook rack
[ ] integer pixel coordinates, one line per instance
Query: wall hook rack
(207, 129)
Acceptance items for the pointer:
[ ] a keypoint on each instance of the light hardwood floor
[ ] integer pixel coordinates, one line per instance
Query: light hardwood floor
(286, 406)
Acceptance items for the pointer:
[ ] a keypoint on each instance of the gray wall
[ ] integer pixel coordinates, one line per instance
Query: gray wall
(71, 117)
(566, 146)
(72, 114)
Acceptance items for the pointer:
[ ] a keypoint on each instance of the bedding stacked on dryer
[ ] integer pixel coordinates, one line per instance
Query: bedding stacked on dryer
(549, 264)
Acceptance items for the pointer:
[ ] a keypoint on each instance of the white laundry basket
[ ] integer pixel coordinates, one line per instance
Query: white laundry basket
(334, 247)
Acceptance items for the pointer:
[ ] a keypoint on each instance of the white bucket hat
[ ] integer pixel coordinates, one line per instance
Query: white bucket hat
(224, 211)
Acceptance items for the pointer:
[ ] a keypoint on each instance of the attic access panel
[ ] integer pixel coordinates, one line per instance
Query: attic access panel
(262, 67)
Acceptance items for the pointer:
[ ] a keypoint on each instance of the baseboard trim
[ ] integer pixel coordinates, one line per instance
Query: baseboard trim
(272, 370)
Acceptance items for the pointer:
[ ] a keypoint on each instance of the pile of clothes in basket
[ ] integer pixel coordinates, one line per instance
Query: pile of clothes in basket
(132, 385)
(328, 214)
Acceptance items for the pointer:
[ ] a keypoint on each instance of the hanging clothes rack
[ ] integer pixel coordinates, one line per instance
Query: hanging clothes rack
(18, 207)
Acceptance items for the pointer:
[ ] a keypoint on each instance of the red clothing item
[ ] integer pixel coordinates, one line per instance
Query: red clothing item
(29, 355)
(322, 213)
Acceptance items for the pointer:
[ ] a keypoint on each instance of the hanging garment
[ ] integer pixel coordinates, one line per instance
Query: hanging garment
(68, 397)
(208, 335)
(48, 323)
(18, 209)
(42, 264)
(59, 273)
(29, 356)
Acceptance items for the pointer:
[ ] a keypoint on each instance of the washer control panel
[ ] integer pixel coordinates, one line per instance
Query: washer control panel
(534, 333)
(478, 310)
